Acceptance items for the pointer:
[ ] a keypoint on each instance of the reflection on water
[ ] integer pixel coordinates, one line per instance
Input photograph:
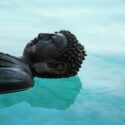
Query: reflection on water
(100, 26)
(58, 94)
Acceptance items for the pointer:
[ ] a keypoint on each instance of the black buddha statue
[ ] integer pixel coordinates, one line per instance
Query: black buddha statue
(55, 55)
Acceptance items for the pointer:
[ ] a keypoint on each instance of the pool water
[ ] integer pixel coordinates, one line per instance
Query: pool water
(96, 96)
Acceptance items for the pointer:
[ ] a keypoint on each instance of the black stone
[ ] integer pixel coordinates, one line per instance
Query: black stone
(49, 55)
(15, 75)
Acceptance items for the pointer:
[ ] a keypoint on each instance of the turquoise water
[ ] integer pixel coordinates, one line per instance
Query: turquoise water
(97, 95)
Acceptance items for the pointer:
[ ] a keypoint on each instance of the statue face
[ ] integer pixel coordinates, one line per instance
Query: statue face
(45, 47)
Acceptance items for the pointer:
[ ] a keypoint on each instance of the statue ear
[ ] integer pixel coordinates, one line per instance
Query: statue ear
(57, 67)
(53, 67)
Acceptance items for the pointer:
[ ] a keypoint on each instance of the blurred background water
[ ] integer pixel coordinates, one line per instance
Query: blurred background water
(97, 95)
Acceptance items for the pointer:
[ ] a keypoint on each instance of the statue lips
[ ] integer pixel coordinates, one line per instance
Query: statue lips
(31, 46)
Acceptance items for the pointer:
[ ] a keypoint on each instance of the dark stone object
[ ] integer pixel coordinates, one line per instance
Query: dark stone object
(49, 55)
(15, 75)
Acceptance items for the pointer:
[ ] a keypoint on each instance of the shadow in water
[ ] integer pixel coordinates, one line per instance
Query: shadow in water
(47, 93)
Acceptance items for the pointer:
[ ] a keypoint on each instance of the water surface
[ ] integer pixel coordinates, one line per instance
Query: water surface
(97, 95)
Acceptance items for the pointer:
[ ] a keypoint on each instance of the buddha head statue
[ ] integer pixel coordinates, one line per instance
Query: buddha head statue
(54, 55)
